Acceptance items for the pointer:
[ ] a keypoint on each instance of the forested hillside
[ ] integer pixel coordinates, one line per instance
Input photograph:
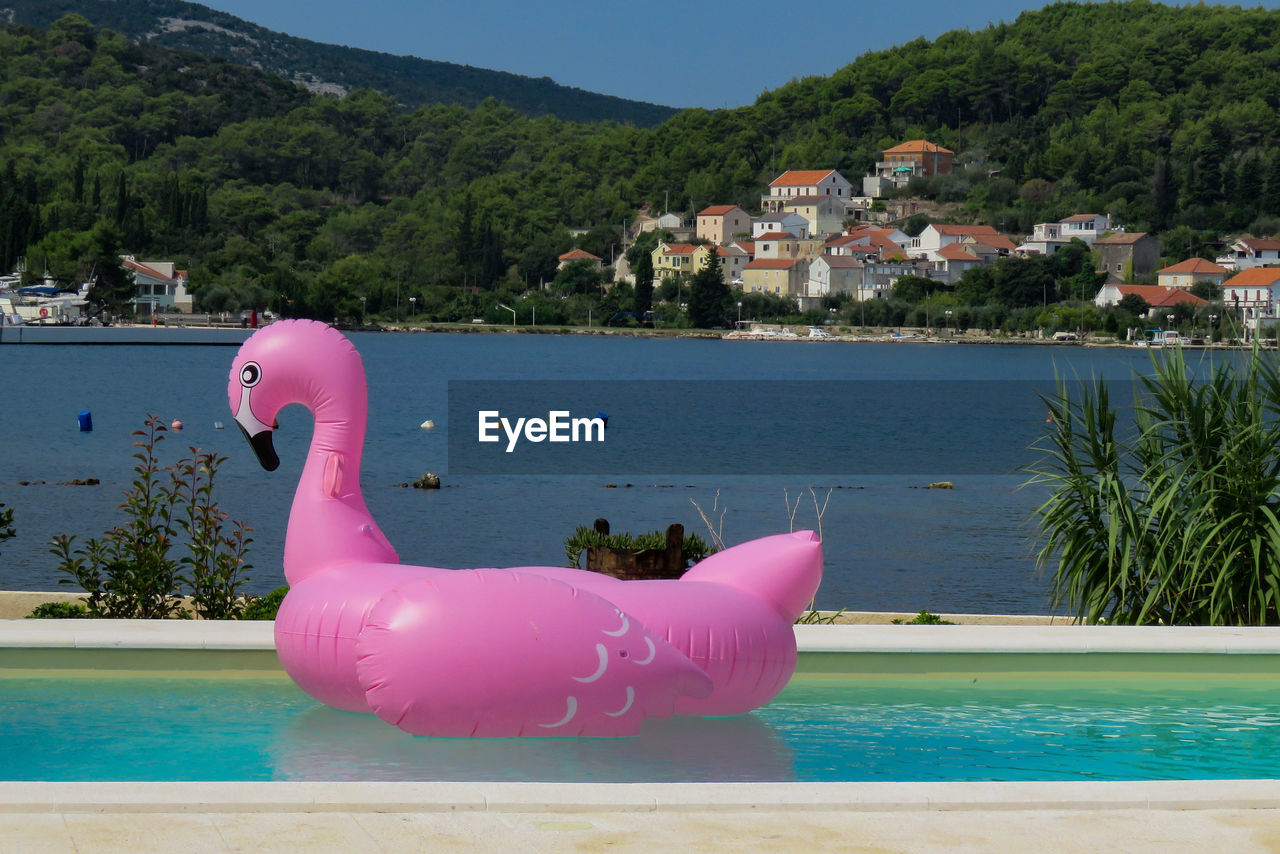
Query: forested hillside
(1164, 117)
(411, 81)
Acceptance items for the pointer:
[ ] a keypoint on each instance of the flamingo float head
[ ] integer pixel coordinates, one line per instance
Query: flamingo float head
(294, 361)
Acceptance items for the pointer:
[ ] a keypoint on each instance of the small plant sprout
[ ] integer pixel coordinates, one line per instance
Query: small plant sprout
(716, 530)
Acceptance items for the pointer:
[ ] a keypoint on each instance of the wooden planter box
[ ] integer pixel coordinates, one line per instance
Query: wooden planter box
(633, 564)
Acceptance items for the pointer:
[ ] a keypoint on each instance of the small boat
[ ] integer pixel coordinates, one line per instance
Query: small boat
(42, 305)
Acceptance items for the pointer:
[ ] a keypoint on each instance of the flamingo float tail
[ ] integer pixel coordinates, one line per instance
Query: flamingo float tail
(432, 660)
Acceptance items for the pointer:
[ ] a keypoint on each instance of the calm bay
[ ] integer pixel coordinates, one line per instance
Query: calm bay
(890, 544)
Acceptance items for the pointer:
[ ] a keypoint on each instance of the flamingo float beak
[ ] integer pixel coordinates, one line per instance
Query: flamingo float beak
(257, 432)
(262, 447)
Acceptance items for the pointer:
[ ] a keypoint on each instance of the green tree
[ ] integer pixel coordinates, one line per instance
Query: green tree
(579, 277)
(1134, 304)
(708, 293)
(913, 289)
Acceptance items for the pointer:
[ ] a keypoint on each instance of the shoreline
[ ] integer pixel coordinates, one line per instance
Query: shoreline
(70, 335)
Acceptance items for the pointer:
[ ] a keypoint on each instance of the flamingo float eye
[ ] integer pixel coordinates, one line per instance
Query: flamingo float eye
(250, 374)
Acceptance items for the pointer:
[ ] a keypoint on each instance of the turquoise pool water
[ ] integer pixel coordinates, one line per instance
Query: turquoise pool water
(817, 730)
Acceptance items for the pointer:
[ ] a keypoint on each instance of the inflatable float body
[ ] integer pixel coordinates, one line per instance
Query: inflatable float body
(524, 651)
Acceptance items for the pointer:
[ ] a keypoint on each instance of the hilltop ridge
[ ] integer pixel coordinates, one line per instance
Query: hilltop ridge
(333, 69)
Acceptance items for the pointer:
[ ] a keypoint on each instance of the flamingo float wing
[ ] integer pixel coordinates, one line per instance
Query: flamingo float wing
(501, 653)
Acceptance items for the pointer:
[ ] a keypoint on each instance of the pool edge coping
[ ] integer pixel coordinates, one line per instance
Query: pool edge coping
(378, 797)
(259, 636)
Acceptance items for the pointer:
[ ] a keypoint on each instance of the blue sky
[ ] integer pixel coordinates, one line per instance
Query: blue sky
(692, 54)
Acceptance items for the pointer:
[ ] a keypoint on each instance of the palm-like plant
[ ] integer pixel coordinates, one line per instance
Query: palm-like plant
(1173, 516)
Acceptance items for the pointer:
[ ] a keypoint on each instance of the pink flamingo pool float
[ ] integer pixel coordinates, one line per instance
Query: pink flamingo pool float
(525, 651)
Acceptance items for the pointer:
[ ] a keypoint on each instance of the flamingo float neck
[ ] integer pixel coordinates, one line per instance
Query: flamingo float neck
(301, 361)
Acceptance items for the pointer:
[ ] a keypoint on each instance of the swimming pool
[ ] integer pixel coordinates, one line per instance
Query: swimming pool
(877, 704)
(135, 729)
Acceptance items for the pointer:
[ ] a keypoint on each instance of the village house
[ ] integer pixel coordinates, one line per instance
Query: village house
(889, 242)
(879, 277)
(833, 274)
(804, 182)
(1126, 256)
(732, 262)
(680, 230)
(777, 276)
(672, 259)
(722, 223)
(935, 236)
(1158, 298)
(951, 261)
(686, 259)
(777, 244)
(579, 255)
(898, 165)
(1048, 237)
(824, 214)
(1248, 252)
(1190, 272)
(160, 286)
(1254, 294)
(789, 222)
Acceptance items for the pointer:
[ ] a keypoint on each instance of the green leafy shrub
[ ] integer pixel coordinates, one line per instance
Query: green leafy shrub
(129, 572)
(924, 618)
(59, 611)
(1175, 520)
(695, 548)
(814, 617)
(264, 607)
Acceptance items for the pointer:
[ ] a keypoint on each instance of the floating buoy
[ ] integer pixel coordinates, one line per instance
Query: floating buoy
(176, 425)
(428, 424)
(217, 425)
(86, 421)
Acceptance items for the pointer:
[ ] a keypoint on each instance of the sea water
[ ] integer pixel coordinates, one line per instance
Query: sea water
(889, 543)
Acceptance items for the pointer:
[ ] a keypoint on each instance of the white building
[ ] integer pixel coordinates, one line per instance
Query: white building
(805, 182)
(161, 287)
(1048, 237)
(1249, 252)
(792, 223)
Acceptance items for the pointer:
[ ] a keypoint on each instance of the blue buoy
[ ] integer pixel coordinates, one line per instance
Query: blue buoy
(86, 421)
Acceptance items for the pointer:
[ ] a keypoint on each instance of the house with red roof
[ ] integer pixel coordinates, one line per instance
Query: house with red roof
(1187, 273)
(574, 255)
(722, 223)
(1250, 252)
(1255, 294)
(935, 236)
(804, 182)
(901, 163)
(1159, 298)
(952, 260)
(160, 286)
(778, 276)
(688, 259)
